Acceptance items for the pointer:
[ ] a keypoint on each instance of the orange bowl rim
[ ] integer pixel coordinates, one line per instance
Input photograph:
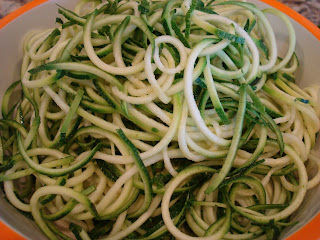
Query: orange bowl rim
(310, 230)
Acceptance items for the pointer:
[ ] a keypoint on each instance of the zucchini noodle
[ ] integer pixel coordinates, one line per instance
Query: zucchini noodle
(159, 119)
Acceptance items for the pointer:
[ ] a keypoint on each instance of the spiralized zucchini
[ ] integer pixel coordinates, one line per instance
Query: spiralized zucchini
(159, 119)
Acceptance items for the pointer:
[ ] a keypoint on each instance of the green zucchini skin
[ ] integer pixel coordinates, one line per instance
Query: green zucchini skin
(159, 120)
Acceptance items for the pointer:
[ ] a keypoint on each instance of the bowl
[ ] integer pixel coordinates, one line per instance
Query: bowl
(41, 14)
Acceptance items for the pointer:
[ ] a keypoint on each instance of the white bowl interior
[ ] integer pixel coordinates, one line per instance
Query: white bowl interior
(43, 16)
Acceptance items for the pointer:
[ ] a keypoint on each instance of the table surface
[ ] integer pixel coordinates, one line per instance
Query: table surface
(308, 8)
